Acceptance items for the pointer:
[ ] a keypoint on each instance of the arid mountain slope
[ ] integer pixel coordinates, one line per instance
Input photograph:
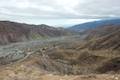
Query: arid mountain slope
(11, 32)
(48, 31)
(106, 37)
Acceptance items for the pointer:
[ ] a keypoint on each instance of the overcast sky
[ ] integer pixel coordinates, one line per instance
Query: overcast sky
(58, 12)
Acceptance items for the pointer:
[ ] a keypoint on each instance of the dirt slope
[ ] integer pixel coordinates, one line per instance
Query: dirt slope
(106, 37)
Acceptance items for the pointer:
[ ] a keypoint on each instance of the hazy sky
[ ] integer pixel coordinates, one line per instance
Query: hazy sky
(58, 12)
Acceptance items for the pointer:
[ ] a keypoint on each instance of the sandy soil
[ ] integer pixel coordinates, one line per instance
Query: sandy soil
(28, 72)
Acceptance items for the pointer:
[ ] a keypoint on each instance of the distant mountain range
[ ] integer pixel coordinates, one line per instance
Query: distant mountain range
(94, 24)
(11, 32)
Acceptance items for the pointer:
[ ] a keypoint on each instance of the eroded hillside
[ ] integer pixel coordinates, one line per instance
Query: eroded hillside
(12, 32)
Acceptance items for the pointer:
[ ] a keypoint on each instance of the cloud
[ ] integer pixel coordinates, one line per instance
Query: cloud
(59, 9)
(100, 8)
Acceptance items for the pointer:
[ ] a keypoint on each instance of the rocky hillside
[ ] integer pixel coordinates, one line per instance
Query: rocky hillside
(106, 37)
(11, 32)
(48, 31)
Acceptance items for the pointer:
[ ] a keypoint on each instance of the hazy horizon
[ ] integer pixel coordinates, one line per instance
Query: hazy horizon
(57, 23)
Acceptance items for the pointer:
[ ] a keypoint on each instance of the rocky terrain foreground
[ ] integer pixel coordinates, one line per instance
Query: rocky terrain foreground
(29, 70)
(24, 73)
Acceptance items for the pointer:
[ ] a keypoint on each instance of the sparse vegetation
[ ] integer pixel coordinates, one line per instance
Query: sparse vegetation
(71, 56)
